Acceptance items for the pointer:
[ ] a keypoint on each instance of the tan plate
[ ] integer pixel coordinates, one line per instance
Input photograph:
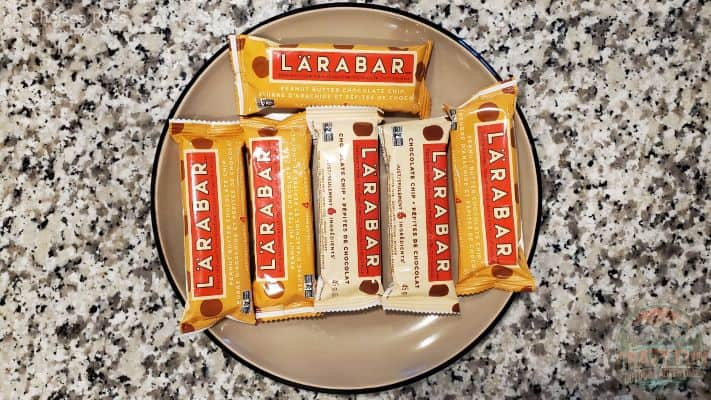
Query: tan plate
(354, 352)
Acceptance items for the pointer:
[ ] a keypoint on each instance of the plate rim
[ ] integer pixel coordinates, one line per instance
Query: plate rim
(210, 334)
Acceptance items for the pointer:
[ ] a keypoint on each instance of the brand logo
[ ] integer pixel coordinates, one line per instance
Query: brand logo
(497, 193)
(346, 66)
(207, 274)
(659, 345)
(365, 159)
(267, 204)
(437, 205)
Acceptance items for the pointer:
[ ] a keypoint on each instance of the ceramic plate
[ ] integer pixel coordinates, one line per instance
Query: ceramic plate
(346, 352)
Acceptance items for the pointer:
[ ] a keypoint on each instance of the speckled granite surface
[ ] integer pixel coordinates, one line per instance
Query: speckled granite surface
(617, 97)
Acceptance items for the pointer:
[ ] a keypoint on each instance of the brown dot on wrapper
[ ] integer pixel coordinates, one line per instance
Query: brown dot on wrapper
(527, 289)
(343, 46)
(432, 132)
(273, 290)
(488, 112)
(185, 225)
(268, 131)
(455, 308)
(243, 218)
(289, 46)
(306, 204)
(362, 128)
(211, 308)
(240, 43)
(397, 48)
(369, 287)
(509, 89)
(420, 71)
(201, 143)
(176, 127)
(186, 328)
(439, 290)
(501, 272)
(260, 66)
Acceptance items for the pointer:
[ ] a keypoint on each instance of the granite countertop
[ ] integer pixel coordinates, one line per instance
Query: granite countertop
(617, 97)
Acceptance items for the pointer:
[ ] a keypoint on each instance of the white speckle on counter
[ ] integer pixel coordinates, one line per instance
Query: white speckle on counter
(617, 98)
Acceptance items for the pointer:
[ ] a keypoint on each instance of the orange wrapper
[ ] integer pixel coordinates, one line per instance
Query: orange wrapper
(415, 154)
(485, 182)
(269, 74)
(215, 218)
(279, 154)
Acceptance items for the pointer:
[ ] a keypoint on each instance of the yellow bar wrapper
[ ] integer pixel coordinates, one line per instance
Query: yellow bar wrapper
(347, 172)
(279, 154)
(269, 74)
(485, 182)
(415, 154)
(215, 221)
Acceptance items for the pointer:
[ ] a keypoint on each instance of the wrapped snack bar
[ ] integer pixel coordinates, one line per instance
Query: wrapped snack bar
(215, 221)
(485, 182)
(415, 154)
(347, 171)
(269, 74)
(279, 153)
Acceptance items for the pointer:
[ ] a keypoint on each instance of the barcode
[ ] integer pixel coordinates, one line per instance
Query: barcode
(397, 135)
(308, 286)
(246, 302)
(453, 117)
(328, 132)
(262, 103)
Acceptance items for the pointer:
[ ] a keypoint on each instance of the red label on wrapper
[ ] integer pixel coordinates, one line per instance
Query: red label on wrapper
(366, 159)
(437, 204)
(205, 230)
(497, 193)
(394, 67)
(267, 204)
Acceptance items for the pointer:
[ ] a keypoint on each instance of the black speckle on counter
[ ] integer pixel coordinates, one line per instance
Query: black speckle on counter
(617, 98)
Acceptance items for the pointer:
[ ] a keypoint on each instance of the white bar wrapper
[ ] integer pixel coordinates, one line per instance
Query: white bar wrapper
(415, 154)
(348, 210)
